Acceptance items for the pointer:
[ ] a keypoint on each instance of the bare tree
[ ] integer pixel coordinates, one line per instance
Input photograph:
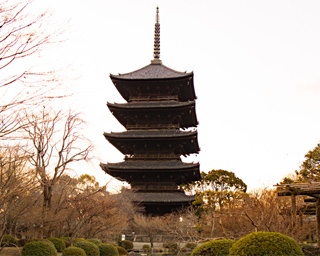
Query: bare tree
(16, 185)
(24, 33)
(56, 143)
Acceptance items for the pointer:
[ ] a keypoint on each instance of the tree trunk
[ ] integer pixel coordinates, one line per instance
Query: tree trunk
(318, 220)
(47, 198)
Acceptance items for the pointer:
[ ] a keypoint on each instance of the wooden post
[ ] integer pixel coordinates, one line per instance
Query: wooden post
(293, 211)
(318, 220)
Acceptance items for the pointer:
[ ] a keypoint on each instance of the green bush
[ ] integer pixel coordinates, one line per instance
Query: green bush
(108, 250)
(58, 243)
(39, 248)
(90, 248)
(9, 241)
(73, 251)
(126, 244)
(96, 241)
(171, 246)
(146, 248)
(266, 243)
(122, 251)
(190, 246)
(66, 240)
(219, 247)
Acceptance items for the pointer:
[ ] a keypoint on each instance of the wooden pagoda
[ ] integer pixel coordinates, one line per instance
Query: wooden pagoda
(160, 121)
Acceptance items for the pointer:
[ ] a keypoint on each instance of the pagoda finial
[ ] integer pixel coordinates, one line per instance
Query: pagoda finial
(156, 49)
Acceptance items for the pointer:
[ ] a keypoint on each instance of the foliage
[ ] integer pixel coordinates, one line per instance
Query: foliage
(126, 244)
(216, 189)
(190, 245)
(9, 241)
(310, 168)
(146, 248)
(58, 243)
(171, 246)
(213, 248)
(90, 248)
(96, 241)
(74, 251)
(122, 251)
(108, 250)
(39, 248)
(266, 243)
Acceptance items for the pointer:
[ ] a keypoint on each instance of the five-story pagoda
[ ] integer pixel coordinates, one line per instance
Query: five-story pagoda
(160, 121)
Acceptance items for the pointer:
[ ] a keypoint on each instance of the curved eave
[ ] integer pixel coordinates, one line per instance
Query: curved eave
(158, 171)
(154, 165)
(139, 142)
(152, 72)
(151, 135)
(151, 105)
(181, 86)
(183, 113)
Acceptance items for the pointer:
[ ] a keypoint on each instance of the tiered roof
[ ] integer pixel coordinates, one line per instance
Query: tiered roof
(160, 122)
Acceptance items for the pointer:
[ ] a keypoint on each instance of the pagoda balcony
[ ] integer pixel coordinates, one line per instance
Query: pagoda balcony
(152, 157)
(152, 126)
(153, 98)
(155, 187)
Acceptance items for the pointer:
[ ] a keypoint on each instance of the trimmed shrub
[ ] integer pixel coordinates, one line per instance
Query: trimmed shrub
(66, 240)
(39, 248)
(90, 248)
(108, 250)
(126, 244)
(172, 247)
(9, 241)
(122, 251)
(190, 246)
(146, 248)
(96, 241)
(58, 243)
(218, 247)
(266, 243)
(73, 251)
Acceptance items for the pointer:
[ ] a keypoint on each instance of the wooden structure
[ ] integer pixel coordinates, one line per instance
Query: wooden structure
(312, 190)
(160, 121)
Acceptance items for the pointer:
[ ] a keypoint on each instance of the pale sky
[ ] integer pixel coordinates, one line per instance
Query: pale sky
(256, 69)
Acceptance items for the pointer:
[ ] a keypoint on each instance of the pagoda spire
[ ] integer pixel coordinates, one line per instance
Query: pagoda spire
(156, 49)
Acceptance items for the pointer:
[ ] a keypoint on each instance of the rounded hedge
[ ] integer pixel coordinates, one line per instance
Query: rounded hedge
(96, 241)
(74, 251)
(9, 241)
(266, 243)
(122, 251)
(217, 247)
(146, 248)
(108, 250)
(58, 243)
(126, 244)
(90, 248)
(39, 248)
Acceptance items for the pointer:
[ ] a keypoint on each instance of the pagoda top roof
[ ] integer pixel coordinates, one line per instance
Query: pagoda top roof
(152, 71)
